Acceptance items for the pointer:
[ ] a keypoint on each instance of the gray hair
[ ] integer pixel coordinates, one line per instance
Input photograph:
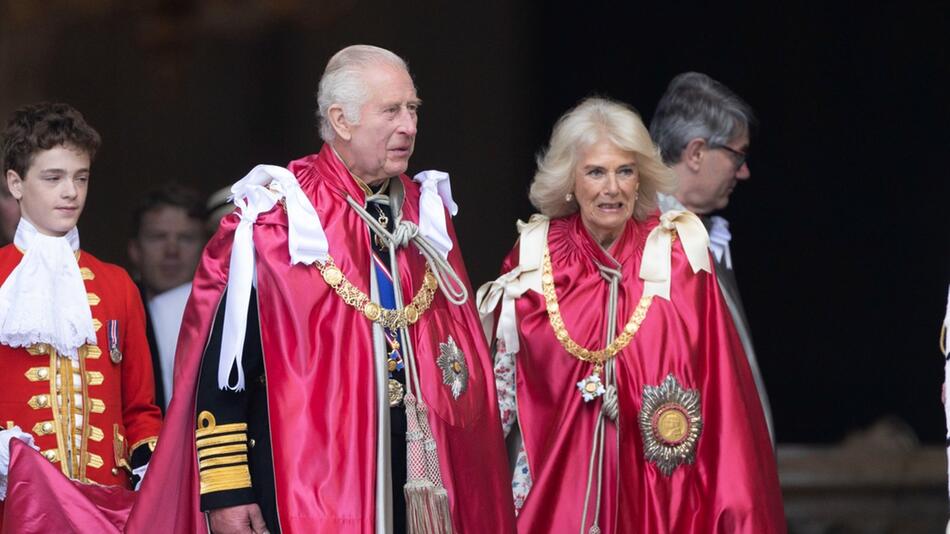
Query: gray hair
(696, 106)
(592, 120)
(342, 83)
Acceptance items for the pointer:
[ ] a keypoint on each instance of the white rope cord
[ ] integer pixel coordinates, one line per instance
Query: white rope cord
(406, 232)
(609, 408)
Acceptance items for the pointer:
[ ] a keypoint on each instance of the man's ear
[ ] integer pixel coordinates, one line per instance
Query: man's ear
(693, 153)
(339, 123)
(15, 184)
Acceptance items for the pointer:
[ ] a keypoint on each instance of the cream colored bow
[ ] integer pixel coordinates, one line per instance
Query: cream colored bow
(655, 269)
(511, 285)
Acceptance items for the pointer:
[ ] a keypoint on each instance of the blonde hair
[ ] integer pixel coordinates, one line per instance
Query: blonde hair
(592, 120)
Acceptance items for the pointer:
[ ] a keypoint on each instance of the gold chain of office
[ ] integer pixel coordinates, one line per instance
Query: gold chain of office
(596, 357)
(390, 319)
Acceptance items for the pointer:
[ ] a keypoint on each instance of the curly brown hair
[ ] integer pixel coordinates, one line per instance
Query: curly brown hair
(43, 126)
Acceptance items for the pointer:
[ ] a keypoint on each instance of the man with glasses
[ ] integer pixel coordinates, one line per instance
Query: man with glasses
(702, 129)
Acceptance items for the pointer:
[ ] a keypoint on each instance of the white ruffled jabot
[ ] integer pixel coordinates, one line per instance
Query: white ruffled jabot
(44, 299)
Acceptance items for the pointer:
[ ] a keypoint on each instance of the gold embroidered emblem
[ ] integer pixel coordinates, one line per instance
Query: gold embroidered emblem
(670, 424)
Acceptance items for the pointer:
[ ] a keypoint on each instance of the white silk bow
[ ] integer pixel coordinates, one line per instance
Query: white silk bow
(511, 285)
(655, 268)
(434, 199)
(254, 194)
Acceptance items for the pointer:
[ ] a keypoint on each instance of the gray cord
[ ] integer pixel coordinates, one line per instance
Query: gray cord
(406, 232)
(609, 408)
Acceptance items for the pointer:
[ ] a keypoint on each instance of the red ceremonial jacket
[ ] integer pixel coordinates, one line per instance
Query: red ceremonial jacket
(117, 413)
(731, 487)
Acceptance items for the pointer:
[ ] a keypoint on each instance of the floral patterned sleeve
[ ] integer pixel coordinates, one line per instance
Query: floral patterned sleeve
(505, 385)
(508, 406)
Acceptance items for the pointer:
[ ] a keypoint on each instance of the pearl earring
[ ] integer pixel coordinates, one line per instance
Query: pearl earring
(568, 197)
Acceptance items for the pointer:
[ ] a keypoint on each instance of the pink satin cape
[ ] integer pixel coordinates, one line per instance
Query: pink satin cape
(41, 499)
(321, 394)
(731, 488)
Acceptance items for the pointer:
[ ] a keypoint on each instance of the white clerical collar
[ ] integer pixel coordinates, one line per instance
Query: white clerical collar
(47, 278)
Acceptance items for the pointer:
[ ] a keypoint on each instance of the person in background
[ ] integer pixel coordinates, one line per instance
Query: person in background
(703, 132)
(77, 374)
(168, 235)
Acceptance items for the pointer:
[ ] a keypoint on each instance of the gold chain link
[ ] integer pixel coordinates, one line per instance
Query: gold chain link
(597, 357)
(390, 319)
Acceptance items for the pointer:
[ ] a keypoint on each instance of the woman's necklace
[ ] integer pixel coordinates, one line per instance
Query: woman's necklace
(591, 387)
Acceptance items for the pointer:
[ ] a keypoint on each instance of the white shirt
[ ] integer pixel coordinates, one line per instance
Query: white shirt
(165, 311)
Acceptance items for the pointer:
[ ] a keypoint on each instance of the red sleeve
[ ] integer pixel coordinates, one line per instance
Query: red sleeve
(140, 416)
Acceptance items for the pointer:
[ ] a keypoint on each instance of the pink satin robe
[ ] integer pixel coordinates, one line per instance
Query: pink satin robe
(731, 488)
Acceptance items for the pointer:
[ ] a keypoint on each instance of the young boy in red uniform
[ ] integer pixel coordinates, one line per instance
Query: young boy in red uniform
(73, 355)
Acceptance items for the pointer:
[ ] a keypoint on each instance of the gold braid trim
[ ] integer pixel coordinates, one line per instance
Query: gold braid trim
(225, 449)
(225, 478)
(390, 319)
(223, 460)
(596, 357)
(221, 440)
(151, 442)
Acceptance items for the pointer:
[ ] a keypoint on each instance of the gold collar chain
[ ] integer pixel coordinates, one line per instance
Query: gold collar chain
(597, 357)
(390, 319)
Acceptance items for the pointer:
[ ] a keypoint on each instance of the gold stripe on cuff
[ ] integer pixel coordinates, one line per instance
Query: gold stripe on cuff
(220, 429)
(224, 460)
(225, 478)
(222, 440)
(227, 449)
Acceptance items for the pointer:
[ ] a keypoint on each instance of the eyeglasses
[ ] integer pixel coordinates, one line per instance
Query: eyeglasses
(739, 157)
